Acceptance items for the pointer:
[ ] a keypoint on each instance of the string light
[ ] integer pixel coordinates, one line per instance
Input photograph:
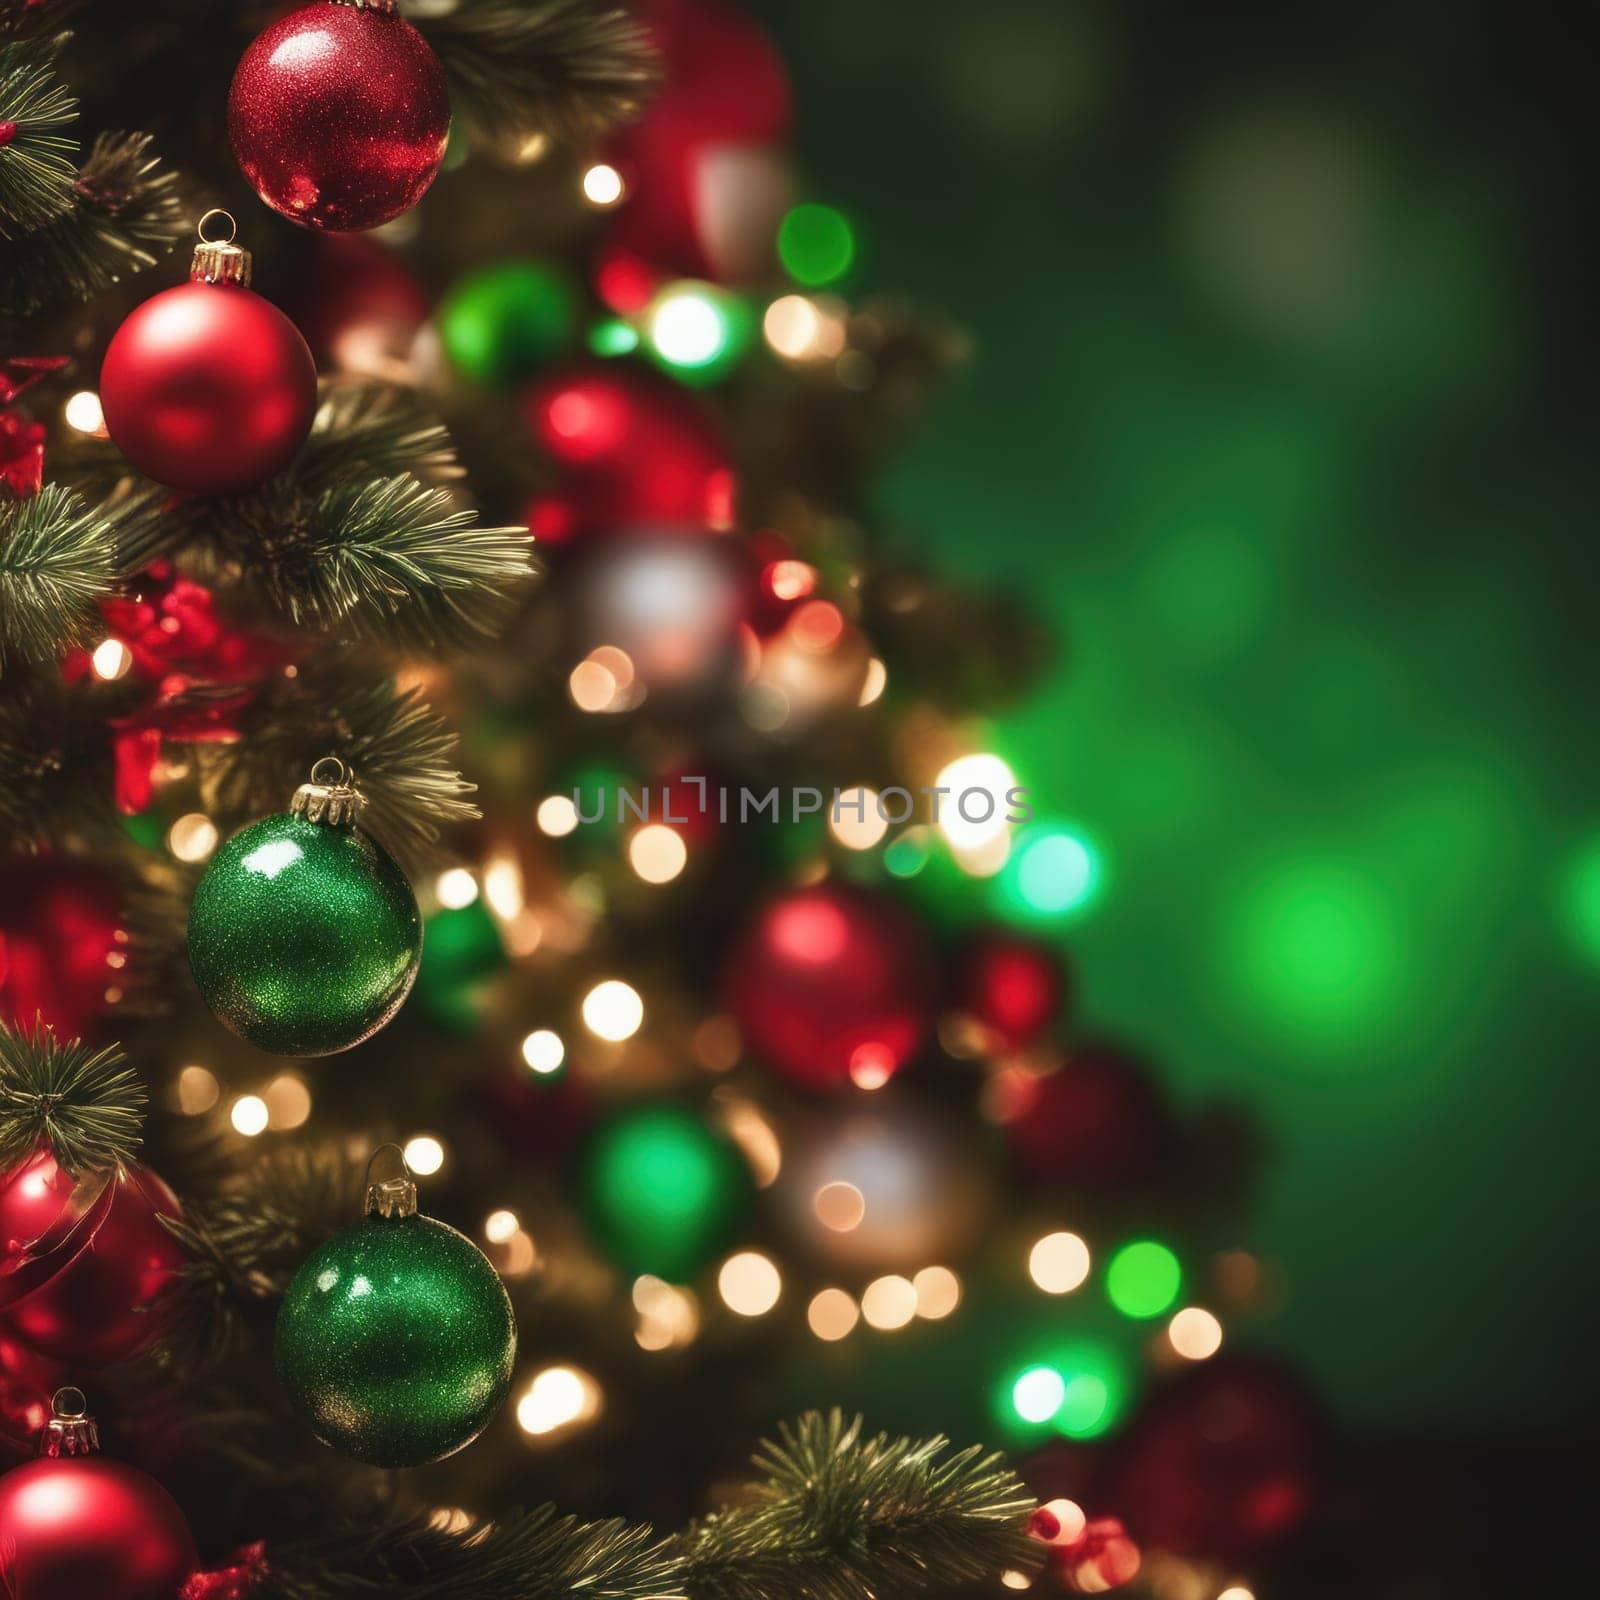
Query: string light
(973, 813)
(502, 887)
(871, 1066)
(1143, 1279)
(192, 837)
(83, 413)
(602, 185)
(875, 682)
(613, 1010)
(832, 1314)
(288, 1101)
(557, 816)
(197, 1091)
(424, 1155)
(1236, 1591)
(889, 1303)
(249, 1115)
(543, 1051)
(657, 853)
(855, 819)
(669, 1317)
(1059, 1263)
(749, 1284)
(559, 1397)
(1195, 1334)
(938, 1292)
(1012, 1579)
(1037, 1394)
(839, 1206)
(455, 888)
(501, 1227)
(111, 659)
(1071, 1520)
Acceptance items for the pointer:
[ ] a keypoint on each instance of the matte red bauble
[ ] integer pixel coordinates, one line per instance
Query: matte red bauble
(1011, 984)
(86, 1259)
(338, 115)
(208, 387)
(1097, 1122)
(76, 1525)
(59, 922)
(831, 984)
(1220, 1463)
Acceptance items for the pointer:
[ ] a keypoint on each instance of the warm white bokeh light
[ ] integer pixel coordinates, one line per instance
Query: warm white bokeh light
(558, 1397)
(938, 1292)
(973, 813)
(832, 1314)
(111, 659)
(501, 1227)
(889, 1303)
(192, 837)
(83, 413)
(657, 853)
(249, 1115)
(749, 1284)
(456, 887)
(1059, 1263)
(1195, 1334)
(543, 1051)
(424, 1155)
(613, 1010)
(557, 816)
(855, 819)
(602, 185)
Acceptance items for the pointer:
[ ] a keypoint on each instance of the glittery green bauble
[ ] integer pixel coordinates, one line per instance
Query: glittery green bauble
(395, 1341)
(304, 937)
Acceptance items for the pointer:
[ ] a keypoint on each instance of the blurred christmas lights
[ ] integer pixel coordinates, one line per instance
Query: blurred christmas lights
(1143, 1278)
(544, 1051)
(832, 1314)
(249, 1115)
(424, 1155)
(749, 1284)
(1195, 1334)
(1059, 1263)
(612, 1010)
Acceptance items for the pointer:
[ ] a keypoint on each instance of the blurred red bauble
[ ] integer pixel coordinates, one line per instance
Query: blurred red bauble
(634, 451)
(1011, 984)
(1099, 1121)
(361, 307)
(27, 1380)
(339, 116)
(208, 388)
(1218, 1463)
(60, 925)
(704, 166)
(87, 1259)
(76, 1525)
(1101, 1557)
(831, 984)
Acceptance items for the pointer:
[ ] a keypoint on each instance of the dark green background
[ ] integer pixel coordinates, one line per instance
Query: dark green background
(1280, 407)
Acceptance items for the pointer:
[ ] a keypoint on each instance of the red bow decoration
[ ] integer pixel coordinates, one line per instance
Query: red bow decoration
(21, 454)
(18, 374)
(236, 1582)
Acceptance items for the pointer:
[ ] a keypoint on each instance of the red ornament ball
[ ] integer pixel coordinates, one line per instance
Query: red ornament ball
(27, 1380)
(208, 388)
(85, 1259)
(1013, 985)
(60, 922)
(1099, 1121)
(76, 1526)
(1220, 1463)
(832, 984)
(339, 116)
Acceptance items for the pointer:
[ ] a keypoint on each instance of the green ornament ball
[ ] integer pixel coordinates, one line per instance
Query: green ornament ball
(396, 1341)
(502, 323)
(304, 937)
(662, 1191)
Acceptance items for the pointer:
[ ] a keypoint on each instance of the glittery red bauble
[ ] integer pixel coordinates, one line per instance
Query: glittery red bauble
(830, 984)
(1013, 985)
(634, 452)
(209, 388)
(1097, 1122)
(339, 116)
(60, 925)
(706, 178)
(90, 1257)
(90, 1528)
(1219, 1463)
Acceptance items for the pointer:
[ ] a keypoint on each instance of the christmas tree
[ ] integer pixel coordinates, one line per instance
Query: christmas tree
(471, 759)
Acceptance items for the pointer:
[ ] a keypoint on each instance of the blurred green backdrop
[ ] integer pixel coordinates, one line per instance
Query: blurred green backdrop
(1278, 407)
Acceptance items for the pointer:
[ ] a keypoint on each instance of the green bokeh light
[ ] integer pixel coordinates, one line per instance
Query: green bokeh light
(816, 244)
(662, 1190)
(1054, 873)
(1143, 1279)
(613, 337)
(1581, 900)
(905, 856)
(1084, 1406)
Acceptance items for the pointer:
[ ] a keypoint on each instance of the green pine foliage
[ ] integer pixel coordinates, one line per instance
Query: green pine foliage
(56, 560)
(87, 1105)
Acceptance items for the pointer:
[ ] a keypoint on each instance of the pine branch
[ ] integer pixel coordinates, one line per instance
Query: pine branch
(125, 211)
(840, 1516)
(403, 755)
(383, 559)
(567, 69)
(36, 160)
(55, 562)
(371, 430)
(536, 1555)
(55, 759)
(87, 1105)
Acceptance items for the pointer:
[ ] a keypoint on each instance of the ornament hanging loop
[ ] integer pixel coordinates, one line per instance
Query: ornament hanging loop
(219, 260)
(70, 1430)
(330, 795)
(394, 1196)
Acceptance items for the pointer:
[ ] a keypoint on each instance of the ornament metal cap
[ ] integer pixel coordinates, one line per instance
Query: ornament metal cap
(330, 798)
(388, 7)
(395, 1196)
(219, 260)
(70, 1430)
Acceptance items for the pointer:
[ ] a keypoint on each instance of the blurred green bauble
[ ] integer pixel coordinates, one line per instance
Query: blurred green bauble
(464, 952)
(304, 937)
(396, 1341)
(663, 1192)
(502, 323)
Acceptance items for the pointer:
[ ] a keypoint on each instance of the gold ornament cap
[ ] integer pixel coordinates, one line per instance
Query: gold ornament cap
(70, 1430)
(219, 260)
(394, 1196)
(330, 796)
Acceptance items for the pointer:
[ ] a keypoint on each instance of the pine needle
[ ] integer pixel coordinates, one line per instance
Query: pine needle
(56, 560)
(87, 1105)
(36, 167)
